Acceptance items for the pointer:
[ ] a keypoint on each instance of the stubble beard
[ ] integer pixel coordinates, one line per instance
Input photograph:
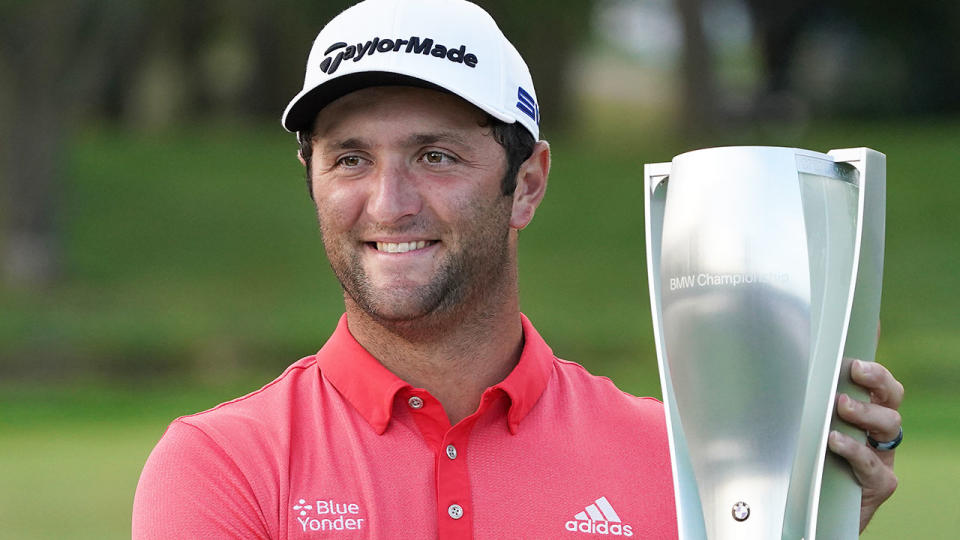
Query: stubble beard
(467, 280)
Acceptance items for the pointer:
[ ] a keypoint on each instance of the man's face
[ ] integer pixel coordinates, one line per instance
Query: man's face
(407, 187)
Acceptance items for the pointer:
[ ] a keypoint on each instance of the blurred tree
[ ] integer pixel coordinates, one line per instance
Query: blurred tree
(53, 56)
(876, 58)
(223, 58)
(700, 109)
(920, 37)
(281, 34)
(881, 38)
(549, 34)
(777, 27)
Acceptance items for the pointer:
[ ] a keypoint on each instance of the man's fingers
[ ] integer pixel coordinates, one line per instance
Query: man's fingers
(883, 387)
(880, 419)
(876, 477)
(880, 422)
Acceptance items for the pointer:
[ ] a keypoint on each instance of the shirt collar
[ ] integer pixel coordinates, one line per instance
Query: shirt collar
(371, 388)
(529, 378)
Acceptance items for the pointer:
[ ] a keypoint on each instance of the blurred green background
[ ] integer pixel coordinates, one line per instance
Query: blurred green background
(159, 252)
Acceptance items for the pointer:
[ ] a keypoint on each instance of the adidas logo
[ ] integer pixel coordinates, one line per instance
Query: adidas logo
(599, 518)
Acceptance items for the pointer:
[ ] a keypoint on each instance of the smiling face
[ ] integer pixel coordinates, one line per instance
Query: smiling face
(407, 184)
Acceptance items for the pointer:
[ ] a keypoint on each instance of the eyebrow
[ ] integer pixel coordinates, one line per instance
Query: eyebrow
(417, 139)
(346, 144)
(440, 136)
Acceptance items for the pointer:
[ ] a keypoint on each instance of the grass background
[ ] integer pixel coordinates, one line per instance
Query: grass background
(195, 274)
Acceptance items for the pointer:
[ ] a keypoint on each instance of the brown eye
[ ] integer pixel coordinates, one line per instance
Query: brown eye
(436, 157)
(350, 161)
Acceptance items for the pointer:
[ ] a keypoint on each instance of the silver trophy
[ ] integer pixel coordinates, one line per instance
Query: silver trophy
(765, 269)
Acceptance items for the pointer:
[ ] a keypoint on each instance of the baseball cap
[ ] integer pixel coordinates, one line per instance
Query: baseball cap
(450, 45)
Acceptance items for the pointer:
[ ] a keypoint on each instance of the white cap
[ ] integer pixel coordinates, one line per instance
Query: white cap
(451, 45)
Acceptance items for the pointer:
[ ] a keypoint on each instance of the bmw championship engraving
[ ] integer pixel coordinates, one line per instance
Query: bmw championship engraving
(765, 269)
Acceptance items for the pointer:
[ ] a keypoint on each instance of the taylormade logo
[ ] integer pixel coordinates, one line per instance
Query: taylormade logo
(413, 45)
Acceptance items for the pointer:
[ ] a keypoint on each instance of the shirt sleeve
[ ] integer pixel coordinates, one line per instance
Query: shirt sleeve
(191, 488)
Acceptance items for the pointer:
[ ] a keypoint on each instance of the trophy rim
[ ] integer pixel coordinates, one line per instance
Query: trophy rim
(758, 148)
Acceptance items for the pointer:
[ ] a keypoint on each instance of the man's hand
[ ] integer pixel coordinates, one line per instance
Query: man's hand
(880, 419)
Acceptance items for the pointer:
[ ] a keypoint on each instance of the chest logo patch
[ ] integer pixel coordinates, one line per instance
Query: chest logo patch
(328, 515)
(599, 518)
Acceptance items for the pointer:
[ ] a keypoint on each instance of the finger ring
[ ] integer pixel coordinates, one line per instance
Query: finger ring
(889, 445)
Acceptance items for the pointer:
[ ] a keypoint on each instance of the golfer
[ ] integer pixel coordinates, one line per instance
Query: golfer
(435, 410)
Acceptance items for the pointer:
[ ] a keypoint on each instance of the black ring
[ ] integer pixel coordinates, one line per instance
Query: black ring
(889, 445)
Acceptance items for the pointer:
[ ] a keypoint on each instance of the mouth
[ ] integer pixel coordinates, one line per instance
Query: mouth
(401, 247)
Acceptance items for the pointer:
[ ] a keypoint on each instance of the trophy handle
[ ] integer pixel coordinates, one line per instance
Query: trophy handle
(865, 317)
(686, 497)
(837, 493)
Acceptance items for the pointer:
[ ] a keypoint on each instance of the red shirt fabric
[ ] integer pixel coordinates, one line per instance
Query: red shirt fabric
(339, 447)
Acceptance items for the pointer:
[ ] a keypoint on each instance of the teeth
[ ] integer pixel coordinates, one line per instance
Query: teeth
(401, 247)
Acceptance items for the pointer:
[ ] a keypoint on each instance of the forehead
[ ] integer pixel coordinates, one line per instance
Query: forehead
(381, 108)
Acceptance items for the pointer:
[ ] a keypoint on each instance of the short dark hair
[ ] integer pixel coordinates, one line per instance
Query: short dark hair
(514, 138)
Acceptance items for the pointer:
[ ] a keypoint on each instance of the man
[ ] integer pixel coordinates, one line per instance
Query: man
(435, 409)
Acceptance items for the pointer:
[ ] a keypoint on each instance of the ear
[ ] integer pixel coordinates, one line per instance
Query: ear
(300, 157)
(531, 185)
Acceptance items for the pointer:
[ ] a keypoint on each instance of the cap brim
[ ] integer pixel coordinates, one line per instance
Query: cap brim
(303, 110)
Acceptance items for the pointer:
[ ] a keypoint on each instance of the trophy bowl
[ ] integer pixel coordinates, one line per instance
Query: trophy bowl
(765, 269)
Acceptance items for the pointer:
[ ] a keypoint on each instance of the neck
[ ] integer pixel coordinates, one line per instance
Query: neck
(455, 358)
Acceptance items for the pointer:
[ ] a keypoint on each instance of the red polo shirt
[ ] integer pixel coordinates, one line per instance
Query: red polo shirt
(339, 447)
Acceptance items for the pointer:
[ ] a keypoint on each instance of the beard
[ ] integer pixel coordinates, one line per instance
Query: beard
(474, 268)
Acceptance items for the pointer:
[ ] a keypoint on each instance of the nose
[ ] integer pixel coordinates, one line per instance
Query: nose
(394, 195)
